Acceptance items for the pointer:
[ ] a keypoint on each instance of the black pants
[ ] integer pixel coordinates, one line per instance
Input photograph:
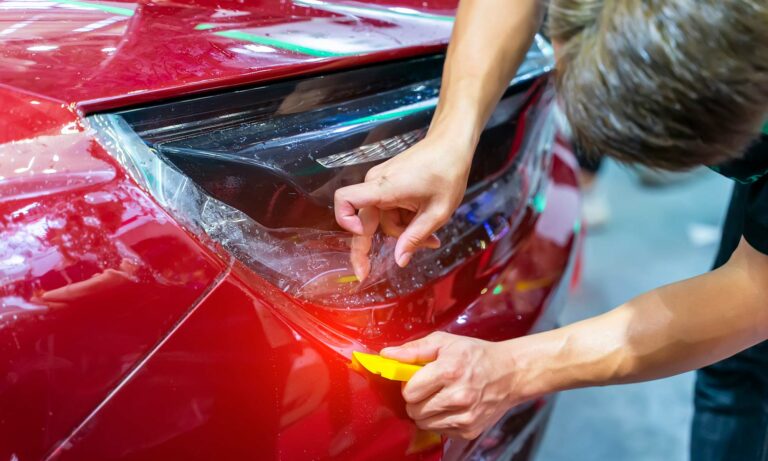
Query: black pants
(731, 401)
(731, 420)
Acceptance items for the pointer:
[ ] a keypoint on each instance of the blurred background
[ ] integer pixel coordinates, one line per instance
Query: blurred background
(651, 235)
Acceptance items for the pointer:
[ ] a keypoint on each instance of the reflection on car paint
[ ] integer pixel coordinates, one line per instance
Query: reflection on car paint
(125, 8)
(97, 321)
(49, 164)
(372, 10)
(100, 63)
(123, 337)
(92, 273)
(256, 392)
(327, 37)
(240, 382)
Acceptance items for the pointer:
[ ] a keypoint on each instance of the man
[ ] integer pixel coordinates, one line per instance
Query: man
(666, 83)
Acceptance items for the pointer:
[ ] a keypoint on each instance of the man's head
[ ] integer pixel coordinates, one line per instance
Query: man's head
(667, 83)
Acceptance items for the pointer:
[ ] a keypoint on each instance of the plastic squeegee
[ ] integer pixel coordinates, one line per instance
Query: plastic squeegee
(387, 368)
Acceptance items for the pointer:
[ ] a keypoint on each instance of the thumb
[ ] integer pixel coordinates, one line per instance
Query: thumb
(417, 234)
(422, 350)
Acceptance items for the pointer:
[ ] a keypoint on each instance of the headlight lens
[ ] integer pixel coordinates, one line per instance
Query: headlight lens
(254, 175)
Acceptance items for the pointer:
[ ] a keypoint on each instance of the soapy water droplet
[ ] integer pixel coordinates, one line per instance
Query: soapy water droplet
(92, 221)
(372, 330)
(97, 198)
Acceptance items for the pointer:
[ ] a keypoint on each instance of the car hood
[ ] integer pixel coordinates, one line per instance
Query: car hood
(97, 55)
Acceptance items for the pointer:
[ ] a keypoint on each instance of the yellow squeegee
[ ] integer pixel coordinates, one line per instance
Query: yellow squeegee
(387, 368)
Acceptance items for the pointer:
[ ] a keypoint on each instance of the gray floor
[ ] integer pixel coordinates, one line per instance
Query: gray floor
(655, 236)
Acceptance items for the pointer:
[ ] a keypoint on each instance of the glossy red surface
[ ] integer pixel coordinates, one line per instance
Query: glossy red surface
(236, 382)
(99, 54)
(95, 276)
(244, 378)
(121, 335)
(92, 275)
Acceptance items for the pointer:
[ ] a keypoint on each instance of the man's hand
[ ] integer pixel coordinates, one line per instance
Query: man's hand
(410, 196)
(415, 193)
(465, 387)
(468, 384)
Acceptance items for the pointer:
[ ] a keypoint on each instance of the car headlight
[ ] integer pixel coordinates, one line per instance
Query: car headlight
(253, 171)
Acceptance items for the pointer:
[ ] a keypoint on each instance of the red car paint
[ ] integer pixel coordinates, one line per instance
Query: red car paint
(99, 55)
(122, 336)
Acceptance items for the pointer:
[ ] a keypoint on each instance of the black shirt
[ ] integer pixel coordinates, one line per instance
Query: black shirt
(748, 212)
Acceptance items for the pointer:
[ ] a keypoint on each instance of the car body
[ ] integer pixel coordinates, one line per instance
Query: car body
(149, 312)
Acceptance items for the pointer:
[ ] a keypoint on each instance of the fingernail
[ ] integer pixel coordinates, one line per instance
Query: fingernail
(386, 350)
(404, 259)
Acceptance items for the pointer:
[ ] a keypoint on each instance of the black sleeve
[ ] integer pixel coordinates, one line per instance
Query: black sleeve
(756, 215)
(748, 211)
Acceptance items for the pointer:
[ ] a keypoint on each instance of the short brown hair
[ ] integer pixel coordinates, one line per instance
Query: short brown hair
(667, 83)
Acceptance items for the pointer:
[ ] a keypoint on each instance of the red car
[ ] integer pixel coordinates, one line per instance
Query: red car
(173, 285)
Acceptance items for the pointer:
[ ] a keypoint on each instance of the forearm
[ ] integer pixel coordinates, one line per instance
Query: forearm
(490, 39)
(669, 330)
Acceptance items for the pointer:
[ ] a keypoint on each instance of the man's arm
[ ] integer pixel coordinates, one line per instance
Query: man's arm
(670, 330)
(489, 42)
(414, 193)
(469, 383)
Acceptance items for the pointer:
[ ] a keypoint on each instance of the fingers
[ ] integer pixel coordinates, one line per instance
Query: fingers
(417, 234)
(348, 200)
(426, 382)
(361, 262)
(422, 350)
(452, 424)
(433, 376)
(369, 217)
(450, 399)
(393, 224)
(361, 244)
(454, 411)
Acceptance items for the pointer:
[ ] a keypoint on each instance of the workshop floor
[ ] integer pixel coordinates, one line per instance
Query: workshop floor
(655, 236)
